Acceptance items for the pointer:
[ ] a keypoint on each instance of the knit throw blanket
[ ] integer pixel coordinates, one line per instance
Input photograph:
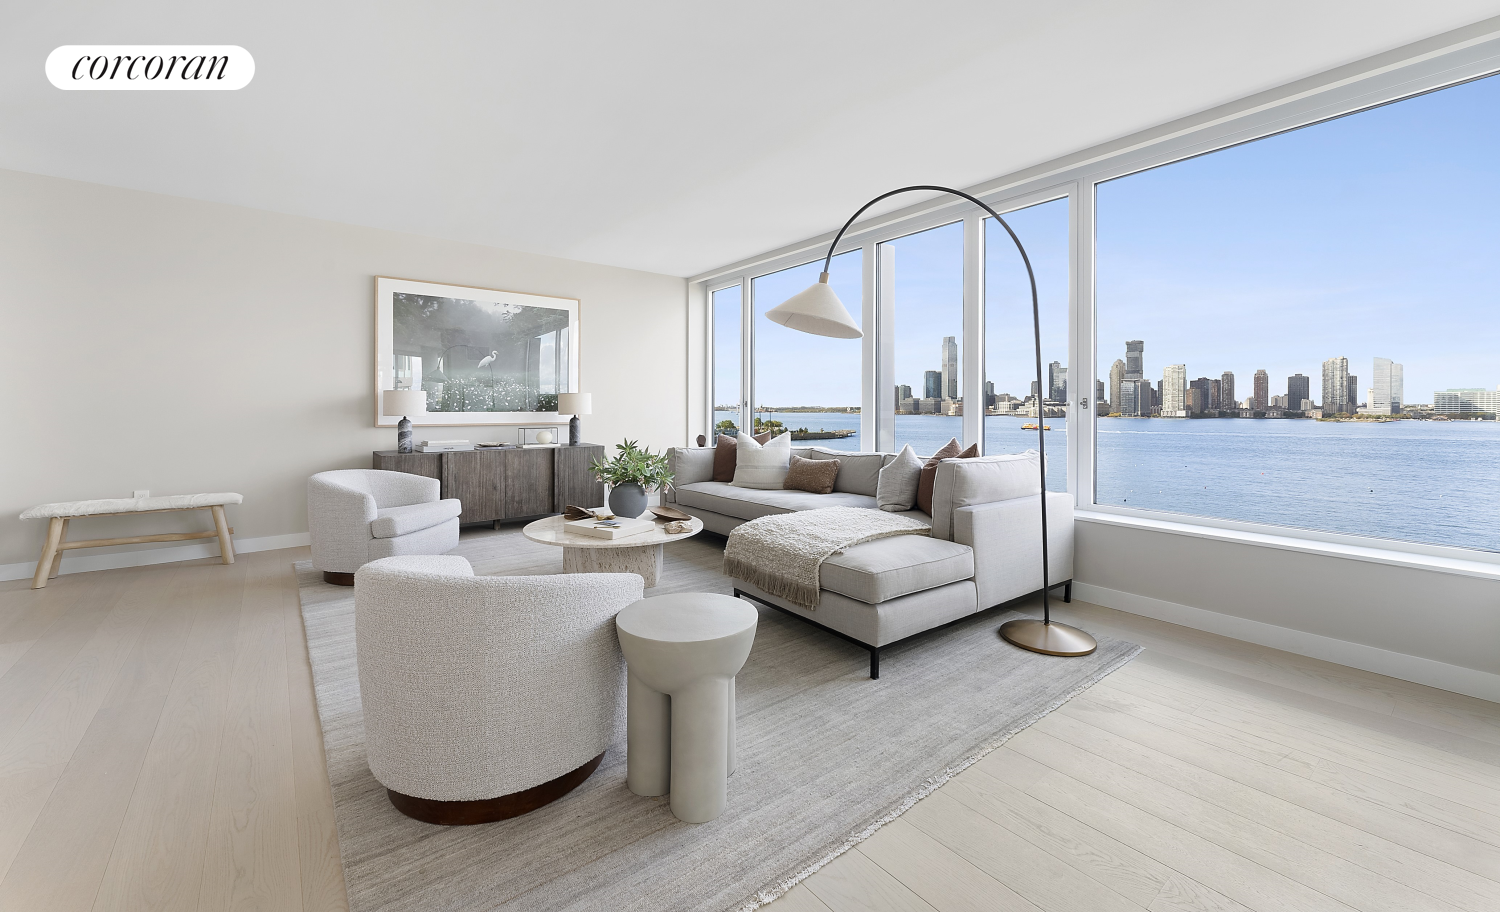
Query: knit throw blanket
(782, 554)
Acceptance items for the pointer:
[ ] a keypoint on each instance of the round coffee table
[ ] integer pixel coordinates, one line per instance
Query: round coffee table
(640, 554)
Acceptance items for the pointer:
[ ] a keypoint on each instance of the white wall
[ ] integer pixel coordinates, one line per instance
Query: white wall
(152, 342)
(1434, 628)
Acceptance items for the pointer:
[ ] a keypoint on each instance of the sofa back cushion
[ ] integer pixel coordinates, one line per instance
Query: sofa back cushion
(896, 490)
(859, 473)
(950, 450)
(762, 467)
(724, 461)
(815, 476)
(985, 479)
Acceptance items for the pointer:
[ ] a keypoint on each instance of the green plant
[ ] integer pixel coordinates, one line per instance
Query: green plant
(634, 464)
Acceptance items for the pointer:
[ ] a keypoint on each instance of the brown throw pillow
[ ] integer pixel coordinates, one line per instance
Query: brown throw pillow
(724, 455)
(950, 450)
(815, 476)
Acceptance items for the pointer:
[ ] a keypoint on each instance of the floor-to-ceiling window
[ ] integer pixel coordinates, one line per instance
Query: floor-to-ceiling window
(806, 384)
(1010, 389)
(1304, 326)
(925, 275)
(728, 325)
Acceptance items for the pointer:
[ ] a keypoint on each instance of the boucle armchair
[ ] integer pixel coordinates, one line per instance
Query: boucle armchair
(355, 516)
(486, 697)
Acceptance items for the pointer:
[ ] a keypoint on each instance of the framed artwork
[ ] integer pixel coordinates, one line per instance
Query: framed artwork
(482, 356)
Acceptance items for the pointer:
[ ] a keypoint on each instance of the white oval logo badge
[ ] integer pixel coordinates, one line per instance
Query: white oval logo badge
(150, 66)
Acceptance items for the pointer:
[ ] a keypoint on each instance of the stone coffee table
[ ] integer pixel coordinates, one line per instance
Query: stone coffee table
(640, 554)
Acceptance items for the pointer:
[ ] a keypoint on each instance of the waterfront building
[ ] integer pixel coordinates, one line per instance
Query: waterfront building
(1298, 388)
(1386, 394)
(1057, 382)
(1174, 391)
(950, 369)
(908, 406)
(1336, 386)
(1461, 401)
(1036, 389)
(1098, 391)
(1351, 397)
(989, 393)
(1116, 374)
(903, 392)
(1214, 400)
(1135, 360)
(1262, 390)
(1202, 384)
(1196, 400)
(932, 385)
(930, 405)
(1226, 391)
(1135, 399)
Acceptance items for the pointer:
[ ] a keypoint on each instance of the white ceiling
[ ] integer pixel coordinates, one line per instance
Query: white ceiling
(666, 136)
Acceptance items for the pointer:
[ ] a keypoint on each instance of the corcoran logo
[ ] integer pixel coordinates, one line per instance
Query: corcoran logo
(150, 66)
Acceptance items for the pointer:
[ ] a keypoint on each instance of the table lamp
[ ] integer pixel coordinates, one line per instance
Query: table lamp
(575, 404)
(404, 403)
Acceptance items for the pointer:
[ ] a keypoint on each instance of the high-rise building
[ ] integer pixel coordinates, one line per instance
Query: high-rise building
(902, 392)
(1351, 394)
(1174, 391)
(1057, 382)
(1036, 389)
(1298, 387)
(989, 393)
(1202, 386)
(950, 368)
(1098, 392)
(1386, 394)
(1214, 401)
(1196, 400)
(1459, 401)
(1226, 391)
(1336, 386)
(932, 385)
(1135, 360)
(1116, 374)
(1135, 399)
(1262, 390)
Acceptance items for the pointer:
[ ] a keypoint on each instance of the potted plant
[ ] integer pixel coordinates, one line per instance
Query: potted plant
(633, 472)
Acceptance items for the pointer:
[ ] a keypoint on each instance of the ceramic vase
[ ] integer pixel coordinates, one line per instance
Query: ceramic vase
(627, 500)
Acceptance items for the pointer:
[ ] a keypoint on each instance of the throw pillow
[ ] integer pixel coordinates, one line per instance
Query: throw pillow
(815, 476)
(724, 455)
(897, 488)
(950, 450)
(761, 467)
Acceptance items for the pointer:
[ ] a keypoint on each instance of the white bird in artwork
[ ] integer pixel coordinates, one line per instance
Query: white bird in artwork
(485, 361)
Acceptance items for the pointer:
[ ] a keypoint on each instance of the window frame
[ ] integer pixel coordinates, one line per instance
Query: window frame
(1425, 66)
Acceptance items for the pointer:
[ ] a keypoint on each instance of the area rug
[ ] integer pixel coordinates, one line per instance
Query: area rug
(826, 756)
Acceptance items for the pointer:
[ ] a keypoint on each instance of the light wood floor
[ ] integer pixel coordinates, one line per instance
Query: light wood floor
(159, 749)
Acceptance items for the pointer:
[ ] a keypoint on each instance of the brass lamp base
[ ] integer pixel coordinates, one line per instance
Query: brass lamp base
(1052, 639)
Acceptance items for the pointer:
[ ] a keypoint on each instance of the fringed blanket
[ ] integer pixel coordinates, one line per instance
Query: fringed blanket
(782, 554)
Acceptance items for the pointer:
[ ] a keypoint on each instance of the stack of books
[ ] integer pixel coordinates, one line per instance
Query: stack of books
(444, 446)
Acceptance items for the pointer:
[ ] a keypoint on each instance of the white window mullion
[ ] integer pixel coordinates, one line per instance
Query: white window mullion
(1081, 342)
(973, 341)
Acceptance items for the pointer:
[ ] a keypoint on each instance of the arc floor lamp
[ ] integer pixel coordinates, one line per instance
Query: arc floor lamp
(820, 312)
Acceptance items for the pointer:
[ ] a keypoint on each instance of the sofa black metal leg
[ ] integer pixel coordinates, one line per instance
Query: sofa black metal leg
(1068, 592)
(874, 664)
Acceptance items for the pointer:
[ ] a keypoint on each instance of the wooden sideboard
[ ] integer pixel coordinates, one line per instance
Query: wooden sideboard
(499, 484)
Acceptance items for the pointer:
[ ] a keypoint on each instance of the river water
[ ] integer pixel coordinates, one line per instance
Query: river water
(1424, 481)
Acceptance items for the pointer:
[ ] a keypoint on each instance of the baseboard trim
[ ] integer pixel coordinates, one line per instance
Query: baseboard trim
(1454, 678)
(84, 563)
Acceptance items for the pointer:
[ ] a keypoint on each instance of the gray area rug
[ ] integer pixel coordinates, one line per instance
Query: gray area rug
(826, 757)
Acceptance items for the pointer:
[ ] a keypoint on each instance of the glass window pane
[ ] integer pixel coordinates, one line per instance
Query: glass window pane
(1328, 293)
(927, 269)
(808, 384)
(1010, 416)
(726, 379)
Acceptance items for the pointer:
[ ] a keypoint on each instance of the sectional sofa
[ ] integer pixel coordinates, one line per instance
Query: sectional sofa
(984, 549)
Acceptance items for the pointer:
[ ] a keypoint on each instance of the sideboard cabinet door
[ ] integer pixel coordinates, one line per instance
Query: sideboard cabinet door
(528, 482)
(477, 479)
(576, 485)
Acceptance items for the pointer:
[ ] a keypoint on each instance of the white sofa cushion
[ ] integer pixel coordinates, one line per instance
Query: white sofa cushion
(393, 521)
(761, 467)
(984, 479)
(858, 472)
(753, 503)
(896, 488)
(887, 568)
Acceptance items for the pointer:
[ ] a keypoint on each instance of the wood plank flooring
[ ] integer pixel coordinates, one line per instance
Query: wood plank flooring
(160, 749)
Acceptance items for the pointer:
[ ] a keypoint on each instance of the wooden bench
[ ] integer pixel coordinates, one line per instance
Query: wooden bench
(60, 513)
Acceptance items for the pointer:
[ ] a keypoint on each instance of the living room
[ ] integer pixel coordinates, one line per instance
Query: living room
(825, 456)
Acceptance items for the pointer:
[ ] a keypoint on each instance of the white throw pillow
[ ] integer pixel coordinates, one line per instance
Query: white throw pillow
(896, 489)
(761, 467)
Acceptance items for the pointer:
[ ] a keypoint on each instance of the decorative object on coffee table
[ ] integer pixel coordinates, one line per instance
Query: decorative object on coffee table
(575, 404)
(403, 402)
(640, 554)
(818, 310)
(631, 474)
(670, 514)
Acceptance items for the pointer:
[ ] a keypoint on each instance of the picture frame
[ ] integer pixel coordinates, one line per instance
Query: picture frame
(484, 356)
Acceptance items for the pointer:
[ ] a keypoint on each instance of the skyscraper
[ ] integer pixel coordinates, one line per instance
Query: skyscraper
(932, 385)
(1135, 360)
(1297, 388)
(1213, 394)
(1116, 374)
(1057, 382)
(1135, 399)
(1262, 391)
(1336, 386)
(1226, 392)
(1174, 391)
(902, 392)
(1385, 397)
(1351, 394)
(1204, 387)
(950, 368)
(1098, 392)
(989, 393)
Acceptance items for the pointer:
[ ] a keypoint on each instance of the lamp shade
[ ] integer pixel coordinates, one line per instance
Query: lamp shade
(818, 311)
(403, 402)
(575, 403)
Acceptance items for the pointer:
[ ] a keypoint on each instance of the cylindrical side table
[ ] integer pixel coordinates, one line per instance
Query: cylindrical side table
(682, 652)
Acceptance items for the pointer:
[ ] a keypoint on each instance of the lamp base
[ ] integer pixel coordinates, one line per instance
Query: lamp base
(1052, 639)
(403, 436)
(575, 435)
